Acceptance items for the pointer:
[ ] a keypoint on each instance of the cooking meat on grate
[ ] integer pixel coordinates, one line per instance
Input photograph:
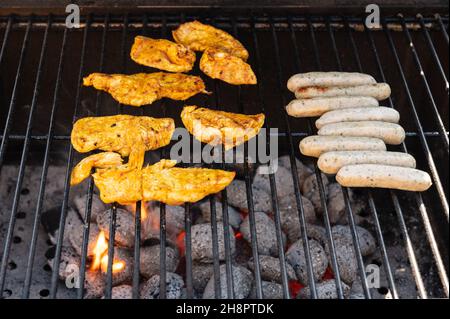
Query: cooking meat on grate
(101, 160)
(199, 37)
(162, 54)
(390, 133)
(379, 91)
(125, 134)
(320, 105)
(381, 113)
(145, 88)
(384, 176)
(175, 185)
(219, 127)
(315, 145)
(340, 79)
(226, 67)
(331, 162)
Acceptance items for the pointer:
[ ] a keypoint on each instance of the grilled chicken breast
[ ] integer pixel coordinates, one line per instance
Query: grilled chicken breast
(199, 37)
(219, 127)
(126, 134)
(145, 88)
(162, 54)
(226, 67)
(174, 185)
(83, 169)
(161, 181)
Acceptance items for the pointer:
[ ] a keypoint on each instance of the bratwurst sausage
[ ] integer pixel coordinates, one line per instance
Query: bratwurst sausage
(318, 106)
(382, 113)
(380, 91)
(390, 133)
(328, 79)
(384, 176)
(315, 145)
(331, 162)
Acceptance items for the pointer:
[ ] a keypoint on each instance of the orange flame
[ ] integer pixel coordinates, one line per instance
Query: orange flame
(101, 255)
(180, 242)
(117, 266)
(100, 247)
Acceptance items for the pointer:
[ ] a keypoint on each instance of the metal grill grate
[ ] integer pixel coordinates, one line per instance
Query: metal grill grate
(405, 52)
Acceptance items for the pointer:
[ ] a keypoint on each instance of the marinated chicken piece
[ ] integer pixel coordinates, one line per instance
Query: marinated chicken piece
(226, 67)
(174, 185)
(120, 184)
(199, 37)
(145, 88)
(162, 54)
(219, 127)
(101, 160)
(126, 134)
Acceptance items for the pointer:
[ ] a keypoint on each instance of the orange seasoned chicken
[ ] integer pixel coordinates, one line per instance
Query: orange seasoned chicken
(199, 37)
(145, 88)
(161, 181)
(120, 184)
(162, 54)
(226, 67)
(219, 127)
(174, 185)
(83, 169)
(126, 134)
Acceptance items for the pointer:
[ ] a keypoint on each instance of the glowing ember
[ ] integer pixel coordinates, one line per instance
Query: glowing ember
(144, 212)
(294, 288)
(180, 243)
(238, 235)
(328, 274)
(101, 256)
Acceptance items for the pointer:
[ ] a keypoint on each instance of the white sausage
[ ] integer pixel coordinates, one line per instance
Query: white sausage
(382, 113)
(315, 145)
(318, 106)
(390, 133)
(331, 162)
(384, 176)
(380, 91)
(328, 79)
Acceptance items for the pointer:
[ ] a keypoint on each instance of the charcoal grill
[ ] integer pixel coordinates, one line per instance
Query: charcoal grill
(43, 62)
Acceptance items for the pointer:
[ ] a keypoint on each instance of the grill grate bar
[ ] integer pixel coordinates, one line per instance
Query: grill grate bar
(281, 134)
(430, 235)
(62, 221)
(5, 38)
(436, 114)
(112, 235)
(298, 197)
(348, 208)
(215, 248)
(14, 93)
(188, 245)
(273, 188)
(372, 206)
(25, 151)
(434, 53)
(90, 190)
(409, 248)
(433, 244)
(410, 252)
(442, 26)
(162, 212)
(302, 218)
(113, 215)
(425, 147)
